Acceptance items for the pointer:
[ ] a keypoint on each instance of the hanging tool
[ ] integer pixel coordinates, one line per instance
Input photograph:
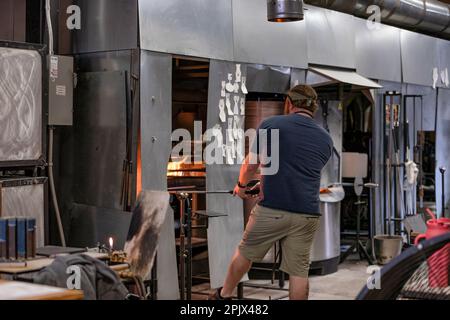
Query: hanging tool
(420, 148)
(419, 144)
(411, 173)
(399, 203)
(388, 153)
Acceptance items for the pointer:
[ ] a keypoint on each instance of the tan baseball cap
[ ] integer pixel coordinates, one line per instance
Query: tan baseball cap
(303, 96)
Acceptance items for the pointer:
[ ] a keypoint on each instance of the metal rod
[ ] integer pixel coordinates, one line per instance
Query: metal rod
(189, 252)
(443, 170)
(154, 282)
(389, 181)
(181, 199)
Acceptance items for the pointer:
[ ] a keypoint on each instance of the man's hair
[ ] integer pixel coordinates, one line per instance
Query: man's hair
(304, 97)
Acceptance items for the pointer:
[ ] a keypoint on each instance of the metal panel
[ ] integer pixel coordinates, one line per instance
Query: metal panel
(419, 58)
(316, 80)
(224, 233)
(156, 128)
(100, 135)
(92, 225)
(331, 38)
(378, 54)
(104, 61)
(21, 105)
(65, 145)
(156, 118)
(444, 58)
(13, 20)
(167, 261)
(262, 78)
(25, 201)
(443, 148)
(106, 25)
(298, 76)
(199, 28)
(346, 76)
(258, 41)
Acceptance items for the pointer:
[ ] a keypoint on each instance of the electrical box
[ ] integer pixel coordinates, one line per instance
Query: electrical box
(60, 111)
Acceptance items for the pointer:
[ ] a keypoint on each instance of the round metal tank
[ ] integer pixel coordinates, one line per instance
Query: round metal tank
(326, 248)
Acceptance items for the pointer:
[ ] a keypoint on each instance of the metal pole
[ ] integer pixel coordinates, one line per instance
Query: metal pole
(189, 252)
(443, 170)
(181, 198)
(154, 293)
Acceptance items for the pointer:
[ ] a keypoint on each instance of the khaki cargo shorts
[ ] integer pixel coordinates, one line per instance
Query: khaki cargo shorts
(295, 231)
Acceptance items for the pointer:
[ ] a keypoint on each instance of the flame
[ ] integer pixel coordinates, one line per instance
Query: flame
(111, 243)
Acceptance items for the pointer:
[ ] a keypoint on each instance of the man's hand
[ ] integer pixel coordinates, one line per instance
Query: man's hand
(240, 192)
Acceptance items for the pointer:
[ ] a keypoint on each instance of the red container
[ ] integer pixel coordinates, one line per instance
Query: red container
(439, 262)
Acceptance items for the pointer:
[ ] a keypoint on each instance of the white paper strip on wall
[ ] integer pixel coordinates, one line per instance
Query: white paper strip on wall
(230, 129)
(217, 133)
(236, 127)
(244, 85)
(233, 150)
(243, 107)
(236, 105)
(230, 86)
(223, 91)
(222, 115)
(238, 73)
(228, 104)
(240, 146)
(241, 129)
(447, 80)
(236, 88)
(435, 77)
(230, 160)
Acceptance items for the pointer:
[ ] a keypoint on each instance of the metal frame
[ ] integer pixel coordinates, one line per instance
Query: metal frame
(389, 166)
(406, 98)
(42, 50)
(41, 163)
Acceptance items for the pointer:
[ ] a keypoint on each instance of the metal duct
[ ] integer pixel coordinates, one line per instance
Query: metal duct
(431, 17)
(284, 10)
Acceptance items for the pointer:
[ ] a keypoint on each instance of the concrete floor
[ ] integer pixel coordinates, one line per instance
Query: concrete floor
(342, 285)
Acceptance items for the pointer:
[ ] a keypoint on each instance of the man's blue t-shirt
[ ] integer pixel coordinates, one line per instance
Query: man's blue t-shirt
(304, 150)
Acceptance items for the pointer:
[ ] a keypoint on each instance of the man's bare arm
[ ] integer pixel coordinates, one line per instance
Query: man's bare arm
(249, 171)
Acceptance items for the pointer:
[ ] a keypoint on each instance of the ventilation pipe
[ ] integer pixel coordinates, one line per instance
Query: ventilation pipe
(431, 17)
(284, 10)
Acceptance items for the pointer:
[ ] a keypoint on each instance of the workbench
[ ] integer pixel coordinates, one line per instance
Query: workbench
(14, 290)
(38, 264)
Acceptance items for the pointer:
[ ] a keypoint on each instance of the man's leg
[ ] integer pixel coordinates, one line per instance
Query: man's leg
(296, 249)
(238, 268)
(298, 288)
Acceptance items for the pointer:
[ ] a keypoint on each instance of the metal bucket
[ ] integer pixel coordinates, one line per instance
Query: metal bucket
(387, 248)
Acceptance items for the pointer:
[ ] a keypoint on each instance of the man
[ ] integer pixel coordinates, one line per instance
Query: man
(288, 210)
